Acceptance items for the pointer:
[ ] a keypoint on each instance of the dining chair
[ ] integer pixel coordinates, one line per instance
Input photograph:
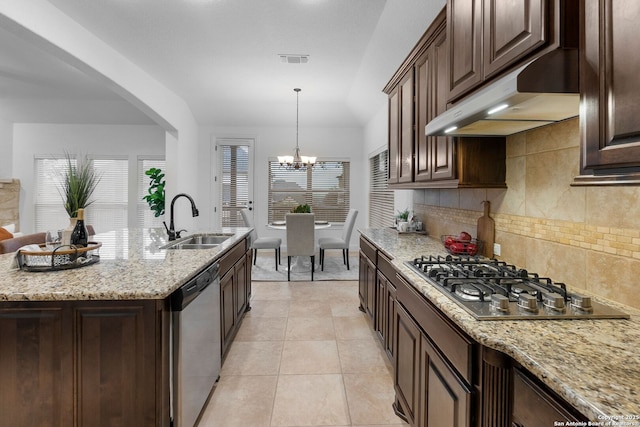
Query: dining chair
(339, 242)
(300, 238)
(261, 242)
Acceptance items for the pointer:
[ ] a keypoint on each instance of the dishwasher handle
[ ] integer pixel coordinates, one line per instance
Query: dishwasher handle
(182, 297)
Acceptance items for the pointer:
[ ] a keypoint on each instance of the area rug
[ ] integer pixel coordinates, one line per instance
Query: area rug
(334, 269)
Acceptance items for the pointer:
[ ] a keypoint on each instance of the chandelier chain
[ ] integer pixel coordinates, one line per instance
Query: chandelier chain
(297, 162)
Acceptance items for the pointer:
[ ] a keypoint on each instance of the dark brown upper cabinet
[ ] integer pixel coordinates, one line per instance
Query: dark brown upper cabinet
(490, 37)
(401, 131)
(418, 93)
(464, 32)
(609, 90)
(407, 130)
(434, 155)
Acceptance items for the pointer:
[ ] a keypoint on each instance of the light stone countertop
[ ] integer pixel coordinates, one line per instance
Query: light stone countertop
(593, 364)
(131, 267)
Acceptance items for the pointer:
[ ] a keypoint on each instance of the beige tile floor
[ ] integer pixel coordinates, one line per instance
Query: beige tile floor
(304, 356)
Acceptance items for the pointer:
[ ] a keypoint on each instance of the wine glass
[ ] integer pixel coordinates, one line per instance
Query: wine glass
(53, 239)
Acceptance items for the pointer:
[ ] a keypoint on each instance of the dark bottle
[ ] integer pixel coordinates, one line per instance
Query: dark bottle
(79, 235)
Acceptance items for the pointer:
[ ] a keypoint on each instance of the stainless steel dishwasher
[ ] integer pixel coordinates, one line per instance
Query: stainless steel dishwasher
(196, 345)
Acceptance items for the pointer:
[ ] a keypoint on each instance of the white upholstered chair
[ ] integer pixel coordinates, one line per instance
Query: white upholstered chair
(300, 238)
(339, 242)
(261, 242)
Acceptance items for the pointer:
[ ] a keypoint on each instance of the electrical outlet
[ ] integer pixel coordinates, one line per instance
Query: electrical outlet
(496, 249)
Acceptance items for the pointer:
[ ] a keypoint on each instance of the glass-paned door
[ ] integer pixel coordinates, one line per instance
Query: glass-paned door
(236, 179)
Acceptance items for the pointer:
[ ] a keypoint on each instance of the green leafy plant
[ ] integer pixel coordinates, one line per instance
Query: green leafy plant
(301, 209)
(403, 216)
(78, 181)
(155, 198)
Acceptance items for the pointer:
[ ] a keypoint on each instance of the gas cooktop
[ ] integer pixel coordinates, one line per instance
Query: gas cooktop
(493, 290)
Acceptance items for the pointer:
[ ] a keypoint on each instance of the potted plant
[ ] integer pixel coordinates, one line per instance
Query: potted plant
(79, 181)
(402, 219)
(155, 198)
(301, 209)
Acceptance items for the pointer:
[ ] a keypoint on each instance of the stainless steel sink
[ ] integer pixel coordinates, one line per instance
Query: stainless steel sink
(193, 246)
(198, 241)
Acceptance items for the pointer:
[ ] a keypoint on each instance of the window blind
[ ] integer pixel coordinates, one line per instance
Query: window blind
(48, 204)
(107, 212)
(145, 217)
(109, 209)
(325, 187)
(381, 199)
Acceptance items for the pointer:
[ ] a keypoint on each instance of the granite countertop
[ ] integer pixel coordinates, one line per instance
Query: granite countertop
(132, 266)
(593, 364)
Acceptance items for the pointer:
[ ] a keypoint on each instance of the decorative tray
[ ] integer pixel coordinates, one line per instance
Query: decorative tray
(61, 258)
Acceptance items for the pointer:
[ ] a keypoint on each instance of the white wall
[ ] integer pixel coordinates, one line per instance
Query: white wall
(6, 148)
(334, 143)
(45, 139)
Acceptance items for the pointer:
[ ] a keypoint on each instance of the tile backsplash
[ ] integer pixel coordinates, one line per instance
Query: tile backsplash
(586, 237)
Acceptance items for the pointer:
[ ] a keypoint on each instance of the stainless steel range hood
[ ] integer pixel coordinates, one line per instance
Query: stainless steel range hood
(541, 92)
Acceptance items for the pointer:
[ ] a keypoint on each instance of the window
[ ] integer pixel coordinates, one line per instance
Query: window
(117, 203)
(145, 217)
(324, 187)
(381, 199)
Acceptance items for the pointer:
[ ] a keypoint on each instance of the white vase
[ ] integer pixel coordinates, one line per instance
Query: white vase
(403, 226)
(66, 233)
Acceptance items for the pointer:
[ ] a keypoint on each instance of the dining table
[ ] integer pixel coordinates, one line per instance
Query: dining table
(301, 264)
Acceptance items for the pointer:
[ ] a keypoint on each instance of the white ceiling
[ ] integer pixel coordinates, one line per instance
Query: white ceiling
(221, 57)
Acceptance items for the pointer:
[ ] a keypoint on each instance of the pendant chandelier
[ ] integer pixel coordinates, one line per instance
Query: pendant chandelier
(296, 162)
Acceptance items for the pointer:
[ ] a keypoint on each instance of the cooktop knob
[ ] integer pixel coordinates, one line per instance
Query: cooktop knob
(528, 302)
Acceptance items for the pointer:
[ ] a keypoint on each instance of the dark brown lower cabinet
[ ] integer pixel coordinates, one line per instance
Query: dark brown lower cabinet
(380, 309)
(407, 366)
(241, 286)
(430, 393)
(367, 285)
(116, 355)
(227, 310)
(36, 366)
(385, 309)
(235, 292)
(535, 405)
(445, 399)
(389, 319)
(85, 363)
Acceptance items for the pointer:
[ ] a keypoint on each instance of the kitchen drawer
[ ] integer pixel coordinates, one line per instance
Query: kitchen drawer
(454, 344)
(368, 249)
(232, 256)
(535, 405)
(385, 266)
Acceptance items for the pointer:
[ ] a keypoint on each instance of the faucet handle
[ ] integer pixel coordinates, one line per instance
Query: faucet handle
(177, 233)
(170, 233)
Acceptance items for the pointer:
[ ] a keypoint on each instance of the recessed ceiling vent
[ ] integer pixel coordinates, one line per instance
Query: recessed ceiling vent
(294, 59)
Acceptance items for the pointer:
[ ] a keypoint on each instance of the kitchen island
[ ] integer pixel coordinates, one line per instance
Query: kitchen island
(592, 365)
(91, 346)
